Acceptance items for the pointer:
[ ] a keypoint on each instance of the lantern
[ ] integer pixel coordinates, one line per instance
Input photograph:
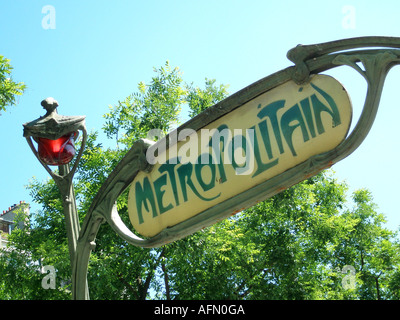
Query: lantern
(57, 152)
(54, 134)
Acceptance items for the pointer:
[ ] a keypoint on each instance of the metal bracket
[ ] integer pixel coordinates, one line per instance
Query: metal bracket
(301, 53)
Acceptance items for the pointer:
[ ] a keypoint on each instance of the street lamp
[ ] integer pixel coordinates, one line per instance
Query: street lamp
(55, 136)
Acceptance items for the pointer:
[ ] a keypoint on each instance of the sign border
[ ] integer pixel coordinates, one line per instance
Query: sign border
(289, 91)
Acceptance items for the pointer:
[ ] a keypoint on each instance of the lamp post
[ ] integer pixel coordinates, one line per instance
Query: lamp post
(55, 136)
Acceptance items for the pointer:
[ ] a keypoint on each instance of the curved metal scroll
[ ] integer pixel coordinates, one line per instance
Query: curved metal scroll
(308, 60)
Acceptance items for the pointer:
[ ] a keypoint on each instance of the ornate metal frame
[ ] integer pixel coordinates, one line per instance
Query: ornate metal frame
(308, 60)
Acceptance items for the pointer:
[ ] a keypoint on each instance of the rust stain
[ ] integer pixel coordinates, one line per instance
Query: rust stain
(237, 211)
(282, 189)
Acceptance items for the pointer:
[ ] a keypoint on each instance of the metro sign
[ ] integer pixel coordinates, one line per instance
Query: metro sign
(214, 166)
(250, 146)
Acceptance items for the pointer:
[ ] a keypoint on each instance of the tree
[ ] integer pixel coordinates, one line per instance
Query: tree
(9, 89)
(372, 249)
(300, 244)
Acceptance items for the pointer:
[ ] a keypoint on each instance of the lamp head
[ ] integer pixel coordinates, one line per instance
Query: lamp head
(55, 134)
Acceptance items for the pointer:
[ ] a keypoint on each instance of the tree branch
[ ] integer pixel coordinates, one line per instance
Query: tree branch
(150, 275)
(128, 285)
(166, 282)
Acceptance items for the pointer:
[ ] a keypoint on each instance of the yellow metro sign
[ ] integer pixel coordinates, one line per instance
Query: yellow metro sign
(255, 142)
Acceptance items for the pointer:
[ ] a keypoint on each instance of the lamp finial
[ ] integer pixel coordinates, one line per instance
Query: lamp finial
(50, 104)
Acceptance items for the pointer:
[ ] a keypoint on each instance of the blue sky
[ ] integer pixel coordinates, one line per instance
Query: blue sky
(100, 50)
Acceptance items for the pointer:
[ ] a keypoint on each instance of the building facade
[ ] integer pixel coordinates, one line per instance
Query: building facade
(14, 217)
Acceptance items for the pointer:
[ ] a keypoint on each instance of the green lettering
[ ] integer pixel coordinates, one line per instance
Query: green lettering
(261, 166)
(319, 107)
(305, 106)
(170, 168)
(238, 141)
(143, 195)
(215, 141)
(158, 184)
(185, 179)
(290, 120)
(265, 136)
(198, 170)
(270, 111)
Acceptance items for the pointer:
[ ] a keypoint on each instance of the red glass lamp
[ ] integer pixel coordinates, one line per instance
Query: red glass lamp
(57, 152)
(55, 135)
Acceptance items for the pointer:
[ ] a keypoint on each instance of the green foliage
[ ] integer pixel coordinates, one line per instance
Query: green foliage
(154, 106)
(292, 246)
(40, 243)
(296, 245)
(201, 99)
(9, 89)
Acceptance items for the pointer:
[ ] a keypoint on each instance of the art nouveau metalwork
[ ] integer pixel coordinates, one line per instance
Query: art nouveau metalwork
(50, 129)
(372, 64)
